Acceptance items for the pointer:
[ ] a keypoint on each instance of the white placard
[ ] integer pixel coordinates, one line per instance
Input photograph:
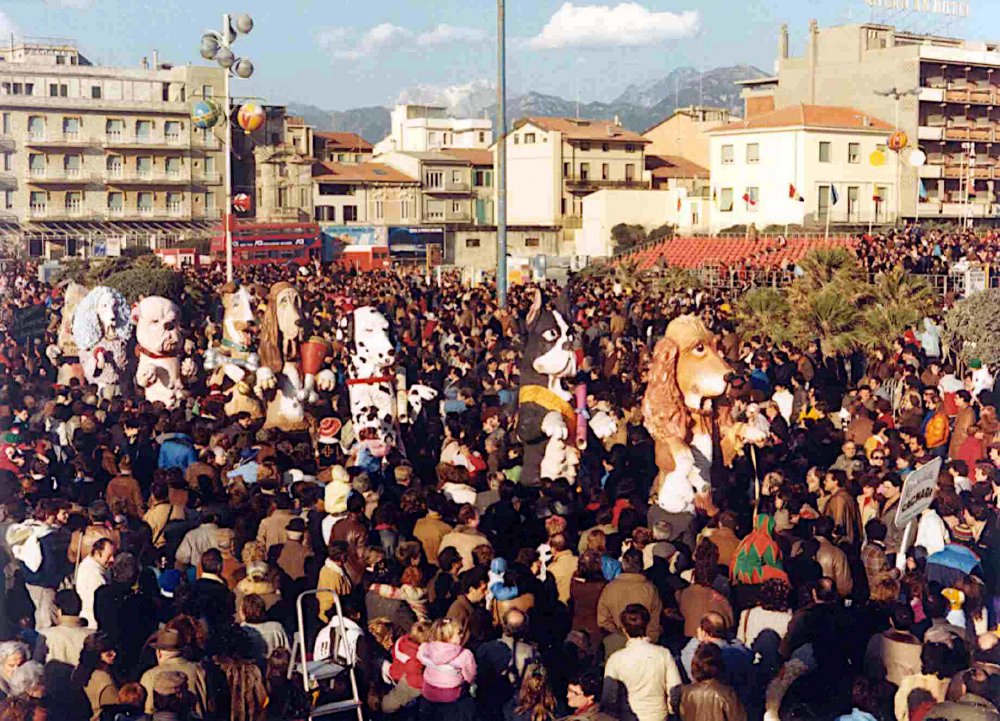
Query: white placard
(918, 492)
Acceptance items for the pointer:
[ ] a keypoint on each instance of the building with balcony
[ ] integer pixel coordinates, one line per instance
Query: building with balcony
(456, 184)
(951, 112)
(329, 147)
(364, 194)
(283, 175)
(104, 149)
(685, 133)
(787, 167)
(553, 163)
(423, 128)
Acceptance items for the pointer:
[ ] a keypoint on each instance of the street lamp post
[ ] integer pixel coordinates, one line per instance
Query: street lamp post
(501, 158)
(898, 95)
(218, 46)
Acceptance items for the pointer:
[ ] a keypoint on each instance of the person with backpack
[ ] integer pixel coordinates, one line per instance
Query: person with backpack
(503, 663)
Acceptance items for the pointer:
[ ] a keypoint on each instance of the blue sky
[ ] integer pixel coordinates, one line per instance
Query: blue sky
(342, 53)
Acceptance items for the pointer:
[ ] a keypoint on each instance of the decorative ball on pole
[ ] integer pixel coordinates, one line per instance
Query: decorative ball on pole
(243, 68)
(250, 117)
(205, 113)
(898, 140)
(244, 23)
(225, 58)
(241, 203)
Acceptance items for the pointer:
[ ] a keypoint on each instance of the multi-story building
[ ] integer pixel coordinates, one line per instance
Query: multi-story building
(284, 175)
(947, 88)
(341, 147)
(456, 185)
(685, 133)
(789, 166)
(364, 194)
(423, 128)
(104, 149)
(553, 163)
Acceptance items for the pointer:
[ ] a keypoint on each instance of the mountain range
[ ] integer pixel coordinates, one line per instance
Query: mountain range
(638, 107)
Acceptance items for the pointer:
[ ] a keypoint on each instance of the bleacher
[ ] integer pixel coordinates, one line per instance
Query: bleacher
(763, 253)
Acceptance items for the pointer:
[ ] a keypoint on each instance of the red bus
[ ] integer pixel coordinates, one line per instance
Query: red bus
(259, 243)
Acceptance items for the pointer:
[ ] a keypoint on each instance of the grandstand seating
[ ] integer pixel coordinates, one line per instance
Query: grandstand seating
(763, 253)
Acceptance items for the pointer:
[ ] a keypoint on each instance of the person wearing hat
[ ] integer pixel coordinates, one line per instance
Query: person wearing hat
(293, 554)
(177, 674)
(982, 379)
(271, 531)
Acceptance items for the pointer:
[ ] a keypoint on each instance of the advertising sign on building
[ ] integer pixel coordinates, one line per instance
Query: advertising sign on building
(410, 243)
(351, 235)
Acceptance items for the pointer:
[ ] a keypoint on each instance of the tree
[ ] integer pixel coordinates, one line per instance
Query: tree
(899, 300)
(763, 312)
(972, 326)
(625, 237)
(664, 232)
(672, 279)
(830, 317)
(829, 266)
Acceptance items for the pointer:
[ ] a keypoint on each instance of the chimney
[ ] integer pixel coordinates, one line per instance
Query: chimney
(618, 122)
(813, 58)
(783, 42)
(144, 64)
(156, 60)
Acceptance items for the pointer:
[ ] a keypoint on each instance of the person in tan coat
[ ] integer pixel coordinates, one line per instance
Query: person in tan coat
(333, 576)
(125, 487)
(84, 539)
(161, 512)
(965, 418)
(271, 531)
(169, 657)
(831, 559)
(466, 536)
(630, 587)
(562, 566)
(842, 507)
(430, 529)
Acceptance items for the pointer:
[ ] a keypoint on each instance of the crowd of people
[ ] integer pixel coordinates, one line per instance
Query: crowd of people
(154, 559)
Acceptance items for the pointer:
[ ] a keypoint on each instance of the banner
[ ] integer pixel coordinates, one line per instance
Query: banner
(918, 492)
(411, 242)
(29, 322)
(348, 235)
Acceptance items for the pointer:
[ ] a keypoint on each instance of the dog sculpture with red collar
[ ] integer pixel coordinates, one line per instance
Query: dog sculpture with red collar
(372, 381)
(159, 345)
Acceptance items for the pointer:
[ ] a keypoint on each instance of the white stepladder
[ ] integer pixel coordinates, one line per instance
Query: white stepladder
(341, 657)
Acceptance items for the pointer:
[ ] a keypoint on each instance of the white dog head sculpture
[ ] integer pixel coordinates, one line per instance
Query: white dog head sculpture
(366, 334)
(102, 315)
(158, 326)
(238, 303)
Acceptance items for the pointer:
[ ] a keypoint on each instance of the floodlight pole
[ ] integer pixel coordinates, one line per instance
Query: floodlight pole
(501, 158)
(227, 218)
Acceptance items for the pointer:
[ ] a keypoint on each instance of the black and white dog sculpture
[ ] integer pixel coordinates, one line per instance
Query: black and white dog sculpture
(377, 406)
(547, 421)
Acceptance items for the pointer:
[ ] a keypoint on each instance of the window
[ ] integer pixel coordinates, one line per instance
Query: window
(434, 179)
(727, 154)
(283, 198)
(482, 137)
(207, 91)
(175, 202)
(210, 201)
(824, 152)
(629, 148)
(115, 129)
(753, 198)
(435, 209)
(566, 167)
(36, 127)
(58, 90)
(726, 200)
(116, 202)
(584, 145)
(629, 172)
(60, 59)
(8, 199)
(404, 209)
(753, 153)
(172, 131)
(605, 147)
(145, 203)
(6, 124)
(144, 166)
(562, 206)
(517, 139)
(72, 165)
(482, 178)
(456, 206)
(38, 200)
(143, 130)
(472, 242)
(854, 152)
(605, 171)
(210, 166)
(531, 242)
(173, 167)
(584, 171)
(379, 209)
(164, 91)
(73, 202)
(823, 205)
(456, 177)
(95, 92)
(8, 162)
(71, 128)
(115, 165)
(350, 213)
(853, 193)
(36, 164)
(529, 138)
(304, 197)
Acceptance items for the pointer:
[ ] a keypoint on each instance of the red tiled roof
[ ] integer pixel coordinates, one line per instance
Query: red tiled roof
(343, 141)
(359, 173)
(673, 166)
(476, 156)
(810, 116)
(583, 129)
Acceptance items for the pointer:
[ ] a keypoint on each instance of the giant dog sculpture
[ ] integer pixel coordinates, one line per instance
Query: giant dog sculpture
(235, 358)
(102, 328)
(288, 389)
(159, 344)
(65, 351)
(547, 422)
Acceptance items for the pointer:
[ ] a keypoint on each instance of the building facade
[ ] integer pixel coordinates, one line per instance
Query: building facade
(685, 133)
(788, 167)
(553, 163)
(89, 148)
(364, 194)
(329, 147)
(951, 89)
(476, 246)
(424, 128)
(456, 185)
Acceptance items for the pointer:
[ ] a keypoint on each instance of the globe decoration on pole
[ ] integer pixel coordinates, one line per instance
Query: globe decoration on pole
(250, 117)
(898, 141)
(205, 114)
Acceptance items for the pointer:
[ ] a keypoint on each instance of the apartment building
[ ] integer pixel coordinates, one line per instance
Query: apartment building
(424, 128)
(456, 184)
(951, 88)
(553, 163)
(104, 149)
(789, 166)
(348, 148)
(364, 194)
(685, 133)
(283, 174)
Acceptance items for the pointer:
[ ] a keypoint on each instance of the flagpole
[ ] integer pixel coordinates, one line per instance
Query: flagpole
(829, 212)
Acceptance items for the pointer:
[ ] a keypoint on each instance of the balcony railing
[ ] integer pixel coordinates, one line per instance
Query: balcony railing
(67, 139)
(124, 140)
(577, 183)
(150, 178)
(71, 212)
(209, 179)
(59, 175)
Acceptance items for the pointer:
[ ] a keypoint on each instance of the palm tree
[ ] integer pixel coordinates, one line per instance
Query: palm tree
(672, 279)
(830, 317)
(829, 266)
(763, 312)
(898, 301)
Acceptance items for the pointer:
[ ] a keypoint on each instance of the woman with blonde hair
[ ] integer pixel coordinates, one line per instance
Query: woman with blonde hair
(535, 700)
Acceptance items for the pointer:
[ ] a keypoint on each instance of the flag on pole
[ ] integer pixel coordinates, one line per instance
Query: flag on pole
(715, 195)
(748, 200)
(794, 194)
(833, 195)
(921, 189)
(678, 203)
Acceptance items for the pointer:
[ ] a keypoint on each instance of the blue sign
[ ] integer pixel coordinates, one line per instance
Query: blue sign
(413, 241)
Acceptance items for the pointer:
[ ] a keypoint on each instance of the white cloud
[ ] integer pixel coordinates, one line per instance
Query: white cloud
(626, 24)
(350, 44)
(451, 33)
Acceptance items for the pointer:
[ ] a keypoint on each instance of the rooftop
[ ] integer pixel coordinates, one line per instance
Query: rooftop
(584, 129)
(672, 166)
(359, 173)
(810, 116)
(476, 156)
(343, 141)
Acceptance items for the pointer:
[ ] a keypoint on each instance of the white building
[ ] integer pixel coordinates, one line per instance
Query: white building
(423, 128)
(778, 168)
